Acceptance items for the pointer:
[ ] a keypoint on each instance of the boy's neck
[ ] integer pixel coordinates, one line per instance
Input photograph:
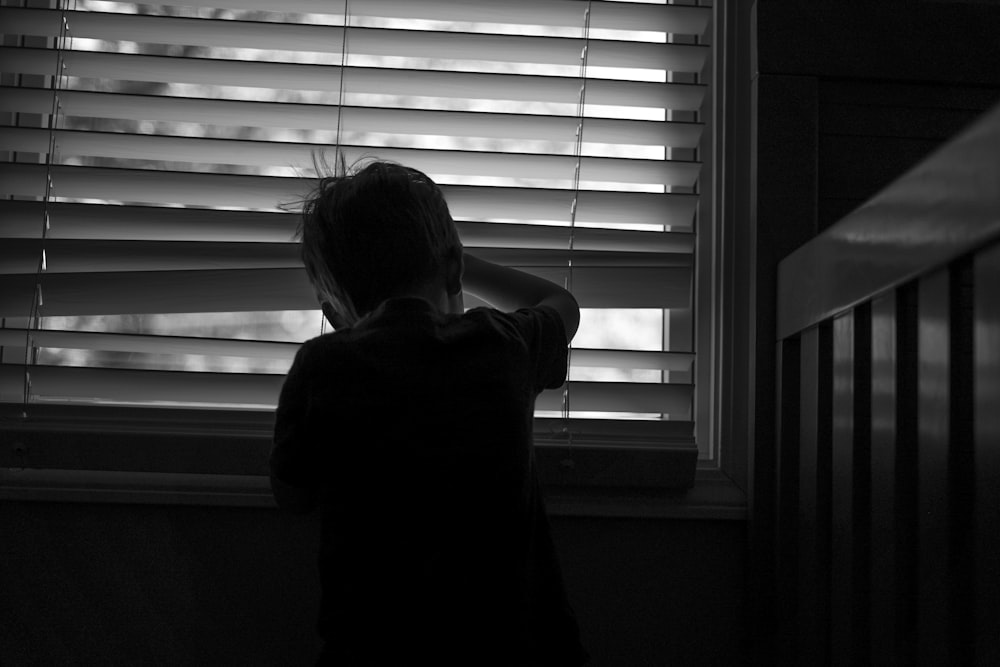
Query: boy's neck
(433, 294)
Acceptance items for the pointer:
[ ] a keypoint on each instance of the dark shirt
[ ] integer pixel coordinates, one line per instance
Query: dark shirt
(413, 431)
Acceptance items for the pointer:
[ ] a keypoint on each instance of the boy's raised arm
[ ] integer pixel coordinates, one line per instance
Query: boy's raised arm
(509, 289)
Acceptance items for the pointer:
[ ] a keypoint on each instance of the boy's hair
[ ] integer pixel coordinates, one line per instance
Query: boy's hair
(372, 232)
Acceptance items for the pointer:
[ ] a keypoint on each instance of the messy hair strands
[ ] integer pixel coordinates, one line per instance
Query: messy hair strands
(317, 249)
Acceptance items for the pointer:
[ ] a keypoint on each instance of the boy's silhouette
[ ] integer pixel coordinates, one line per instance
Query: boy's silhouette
(410, 428)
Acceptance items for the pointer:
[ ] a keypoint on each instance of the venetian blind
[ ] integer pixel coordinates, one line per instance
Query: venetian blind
(153, 154)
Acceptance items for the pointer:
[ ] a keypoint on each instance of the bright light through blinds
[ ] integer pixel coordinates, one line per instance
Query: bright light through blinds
(152, 155)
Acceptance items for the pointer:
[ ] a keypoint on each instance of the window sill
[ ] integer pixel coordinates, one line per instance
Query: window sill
(209, 459)
(713, 496)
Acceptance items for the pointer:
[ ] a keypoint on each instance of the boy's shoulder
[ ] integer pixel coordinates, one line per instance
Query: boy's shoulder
(529, 344)
(394, 322)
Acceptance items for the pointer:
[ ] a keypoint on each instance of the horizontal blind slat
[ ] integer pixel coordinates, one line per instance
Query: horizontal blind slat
(613, 432)
(285, 351)
(286, 115)
(634, 397)
(227, 190)
(130, 386)
(86, 256)
(149, 344)
(368, 80)
(651, 359)
(69, 143)
(25, 219)
(289, 289)
(430, 44)
(565, 13)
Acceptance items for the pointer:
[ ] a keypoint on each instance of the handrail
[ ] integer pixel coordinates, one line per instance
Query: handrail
(944, 207)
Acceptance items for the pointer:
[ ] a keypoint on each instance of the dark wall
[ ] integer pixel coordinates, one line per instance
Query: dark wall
(109, 584)
(870, 132)
(854, 94)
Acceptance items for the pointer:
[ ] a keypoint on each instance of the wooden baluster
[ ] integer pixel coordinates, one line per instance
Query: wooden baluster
(851, 485)
(961, 465)
(842, 492)
(814, 495)
(932, 460)
(986, 549)
(861, 505)
(883, 619)
(787, 552)
(907, 510)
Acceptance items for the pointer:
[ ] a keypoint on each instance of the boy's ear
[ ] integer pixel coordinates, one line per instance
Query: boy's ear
(454, 268)
(335, 319)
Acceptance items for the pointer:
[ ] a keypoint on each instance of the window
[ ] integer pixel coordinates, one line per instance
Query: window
(154, 155)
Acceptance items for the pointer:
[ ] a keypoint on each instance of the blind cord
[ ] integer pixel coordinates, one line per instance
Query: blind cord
(55, 113)
(578, 154)
(339, 162)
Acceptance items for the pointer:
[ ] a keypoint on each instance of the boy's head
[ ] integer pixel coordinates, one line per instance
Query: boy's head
(375, 232)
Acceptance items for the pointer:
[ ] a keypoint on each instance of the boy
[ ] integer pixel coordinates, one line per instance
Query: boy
(410, 427)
